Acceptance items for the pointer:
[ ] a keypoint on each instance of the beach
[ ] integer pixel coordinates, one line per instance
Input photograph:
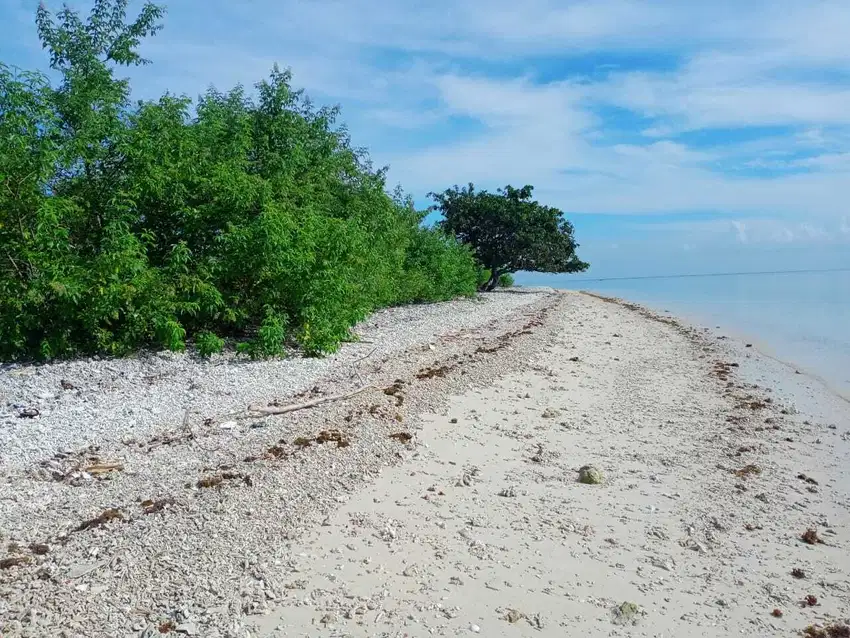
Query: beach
(428, 483)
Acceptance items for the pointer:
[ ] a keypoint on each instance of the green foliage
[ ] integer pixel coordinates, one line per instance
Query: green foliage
(172, 335)
(506, 280)
(129, 225)
(208, 343)
(270, 338)
(509, 231)
(483, 276)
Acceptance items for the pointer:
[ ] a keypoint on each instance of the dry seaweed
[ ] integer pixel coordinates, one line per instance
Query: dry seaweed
(111, 514)
(15, 561)
(274, 452)
(302, 441)
(748, 470)
(210, 481)
(153, 506)
(430, 373)
(327, 436)
(488, 350)
(834, 630)
(722, 370)
(215, 480)
(396, 391)
(810, 536)
(751, 403)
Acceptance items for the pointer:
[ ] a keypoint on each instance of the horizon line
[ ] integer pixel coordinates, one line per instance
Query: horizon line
(718, 274)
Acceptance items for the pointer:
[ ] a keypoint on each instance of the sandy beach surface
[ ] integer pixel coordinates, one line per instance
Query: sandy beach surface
(445, 498)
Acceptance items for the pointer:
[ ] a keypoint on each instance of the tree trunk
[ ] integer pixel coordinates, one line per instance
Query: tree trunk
(494, 281)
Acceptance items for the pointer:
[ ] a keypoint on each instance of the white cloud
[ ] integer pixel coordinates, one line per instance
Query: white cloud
(658, 131)
(406, 73)
(697, 100)
(830, 161)
(515, 102)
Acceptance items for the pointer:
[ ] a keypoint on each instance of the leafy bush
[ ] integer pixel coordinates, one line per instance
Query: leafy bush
(269, 340)
(208, 344)
(506, 280)
(124, 225)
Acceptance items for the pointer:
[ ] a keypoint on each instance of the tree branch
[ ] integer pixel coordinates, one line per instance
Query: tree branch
(283, 409)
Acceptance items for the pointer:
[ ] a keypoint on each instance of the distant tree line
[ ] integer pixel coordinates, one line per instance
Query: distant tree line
(126, 225)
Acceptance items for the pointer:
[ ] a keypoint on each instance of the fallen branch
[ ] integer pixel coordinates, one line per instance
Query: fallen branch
(283, 409)
(365, 356)
(103, 468)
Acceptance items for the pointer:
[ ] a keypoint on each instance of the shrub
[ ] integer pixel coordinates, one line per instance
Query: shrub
(208, 343)
(270, 338)
(125, 225)
(506, 280)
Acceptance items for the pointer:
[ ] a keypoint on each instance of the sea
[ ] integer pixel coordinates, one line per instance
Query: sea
(801, 318)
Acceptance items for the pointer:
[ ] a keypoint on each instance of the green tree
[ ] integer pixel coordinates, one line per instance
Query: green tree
(246, 218)
(509, 231)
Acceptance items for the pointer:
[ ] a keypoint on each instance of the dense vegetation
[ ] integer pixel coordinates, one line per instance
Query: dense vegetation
(132, 224)
(509, 231)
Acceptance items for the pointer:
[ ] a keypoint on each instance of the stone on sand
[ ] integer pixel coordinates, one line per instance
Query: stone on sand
(589, 475)
(627, 614)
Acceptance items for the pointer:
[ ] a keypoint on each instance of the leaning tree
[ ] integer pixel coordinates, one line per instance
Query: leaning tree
(509, 231)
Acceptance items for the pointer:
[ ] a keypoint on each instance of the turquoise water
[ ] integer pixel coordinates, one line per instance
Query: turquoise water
(801, 318)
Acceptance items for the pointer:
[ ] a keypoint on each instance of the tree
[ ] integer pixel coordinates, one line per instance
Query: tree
(245, 218)
(509, 231)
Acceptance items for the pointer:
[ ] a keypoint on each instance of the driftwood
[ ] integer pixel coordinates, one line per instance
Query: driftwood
(366, 356)
(283, 409)
(103, 468)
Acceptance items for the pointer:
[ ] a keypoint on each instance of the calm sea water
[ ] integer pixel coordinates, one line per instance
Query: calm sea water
(800, 318)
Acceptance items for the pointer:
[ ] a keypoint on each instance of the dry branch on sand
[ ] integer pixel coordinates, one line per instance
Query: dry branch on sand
(283, 409)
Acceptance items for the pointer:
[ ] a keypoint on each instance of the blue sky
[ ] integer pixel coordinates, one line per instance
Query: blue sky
(678, 136)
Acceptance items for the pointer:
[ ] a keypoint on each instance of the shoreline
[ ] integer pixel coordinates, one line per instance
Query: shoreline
(742, 336)
(737, 343)
(409, 506)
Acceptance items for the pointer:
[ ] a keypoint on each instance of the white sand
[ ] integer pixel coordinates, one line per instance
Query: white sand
(419, 553)
(479, 525)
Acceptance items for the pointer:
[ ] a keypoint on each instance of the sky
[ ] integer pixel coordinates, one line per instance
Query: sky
(677, 136)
